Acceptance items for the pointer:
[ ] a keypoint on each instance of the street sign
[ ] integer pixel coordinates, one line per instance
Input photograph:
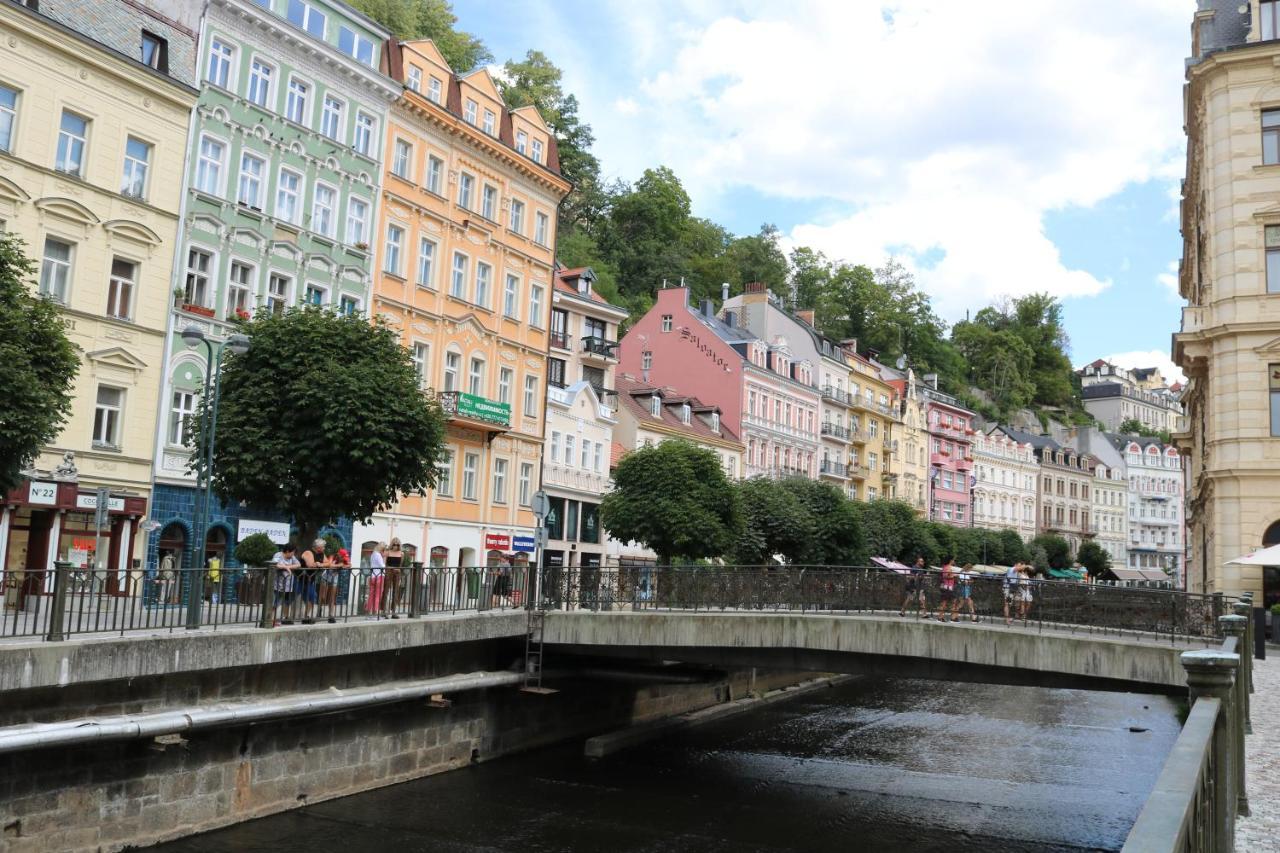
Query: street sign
(102, 510)
(540, 505)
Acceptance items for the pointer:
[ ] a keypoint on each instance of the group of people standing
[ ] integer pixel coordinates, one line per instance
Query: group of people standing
(307, 582)
(955, 592)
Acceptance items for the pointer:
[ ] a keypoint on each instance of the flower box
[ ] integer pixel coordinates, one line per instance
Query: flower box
(197, 309)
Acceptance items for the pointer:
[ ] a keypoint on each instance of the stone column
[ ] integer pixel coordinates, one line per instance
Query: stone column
(1211, 674)
(1244, 608)
(1234, 626)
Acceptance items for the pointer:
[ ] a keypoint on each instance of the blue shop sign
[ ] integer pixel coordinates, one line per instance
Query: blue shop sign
(522, 543)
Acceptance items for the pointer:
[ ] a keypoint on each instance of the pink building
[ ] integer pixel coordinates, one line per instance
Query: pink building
(951, 432)
(767, 397)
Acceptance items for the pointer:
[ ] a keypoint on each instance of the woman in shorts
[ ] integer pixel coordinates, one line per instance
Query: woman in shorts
(964, 592)
(947, 592)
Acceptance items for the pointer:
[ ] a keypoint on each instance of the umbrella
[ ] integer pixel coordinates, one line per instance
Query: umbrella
(1264, 557)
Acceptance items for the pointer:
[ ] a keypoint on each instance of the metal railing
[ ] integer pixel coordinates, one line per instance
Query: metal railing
(75, 601)
(1160, 614)
(835, 431)
(603, 347)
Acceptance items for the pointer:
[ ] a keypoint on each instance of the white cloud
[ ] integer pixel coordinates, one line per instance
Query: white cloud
(929, 132)
(1169, 278)
(1148, 358)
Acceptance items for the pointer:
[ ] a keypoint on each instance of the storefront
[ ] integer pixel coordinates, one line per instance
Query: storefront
(46, 520)
(574, 537)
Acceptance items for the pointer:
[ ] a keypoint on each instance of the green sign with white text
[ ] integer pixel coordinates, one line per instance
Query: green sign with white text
(478, 408)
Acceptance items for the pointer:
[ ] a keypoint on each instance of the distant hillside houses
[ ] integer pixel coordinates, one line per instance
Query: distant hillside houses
(1113, 395)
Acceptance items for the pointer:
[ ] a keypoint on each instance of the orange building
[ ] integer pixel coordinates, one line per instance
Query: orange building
(465, 251)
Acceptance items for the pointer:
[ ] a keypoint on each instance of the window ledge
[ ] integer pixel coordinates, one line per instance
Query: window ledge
(396, 276)
(106, 448)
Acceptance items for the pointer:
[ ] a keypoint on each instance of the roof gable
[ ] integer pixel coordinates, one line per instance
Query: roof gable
(531, 114)
(482, 81)
(426, 49)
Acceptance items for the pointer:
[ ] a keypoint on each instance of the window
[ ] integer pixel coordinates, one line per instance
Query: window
(322, 210)
(315, 295)
(120, 288)
(560, 328)
(444, 473)
(499, 481)
(505, 376)
(540, 226)
(1275, 397)
(522, 141)
(489, 203)
(466, 184)
(490, 122)
(1270, 22)
(249, 192)
(331, 118)
(470, 462)
(55, 270)
(401, 159)
(307, 17)
(391, 257)
(586, 454)
(556, 372)
(209, 166)
(155, 52)
(420, 354)
(137, 159)
(357, 214)
(260, 76)
(531, 396)
(295, 109)
(219, 72)
(287, 196)
(510, 293)
(469, 112)
(458, 280)
(106, 417)
(555, 446)
(598, 457)
(415, 78)
(73, 134)
(536, 151)
(181, 411)
(517, 216)
(452, 365)
(1272, 241)
(475, 377)
(655, 409)
(435, 173)
(426, 262)
(197, 290)
(366, 127)
(569, 442)
(666, 322)
(526, 484)
(433, 90)
(8, 117)
(484, 277)
(355, 45)
(348, 305)
(535, 306)
(239, 289)
(278, 293)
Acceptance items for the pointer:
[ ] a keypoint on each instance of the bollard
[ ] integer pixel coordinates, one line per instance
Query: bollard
(1234, 626)
(58, 607)
(1211, 673)
(415, 590)
(1244, 609)
(268, 596)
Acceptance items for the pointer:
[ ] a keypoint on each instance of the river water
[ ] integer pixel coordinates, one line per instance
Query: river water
(874, 764)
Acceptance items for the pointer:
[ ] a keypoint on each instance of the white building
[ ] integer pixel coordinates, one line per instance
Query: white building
(1111, 512)
(1157, 523)
(1004, 491)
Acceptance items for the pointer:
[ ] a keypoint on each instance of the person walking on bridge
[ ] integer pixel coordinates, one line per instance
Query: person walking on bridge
(915, 596)
(947, 592)
(964, 591)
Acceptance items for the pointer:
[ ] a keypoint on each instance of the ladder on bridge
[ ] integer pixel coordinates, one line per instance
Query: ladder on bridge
(533, 653)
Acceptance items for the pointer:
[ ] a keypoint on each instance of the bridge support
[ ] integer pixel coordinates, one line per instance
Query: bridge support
(1234, 628)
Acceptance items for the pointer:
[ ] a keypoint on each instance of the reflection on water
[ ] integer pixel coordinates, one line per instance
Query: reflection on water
(872, 765)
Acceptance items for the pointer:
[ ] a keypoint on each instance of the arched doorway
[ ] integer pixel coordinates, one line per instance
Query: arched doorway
(215, 545)
(172, 557)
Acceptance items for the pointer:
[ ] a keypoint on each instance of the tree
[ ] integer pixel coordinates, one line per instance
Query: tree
(1057, 551)
(837, 535)
(255, 550)
(1013, 549)
(674, 499)
(38, 366)
(886, 527)
(759, 257)
(429, 19)
(645, 227)
(774, 522)
(1094, 558)
(322, 418)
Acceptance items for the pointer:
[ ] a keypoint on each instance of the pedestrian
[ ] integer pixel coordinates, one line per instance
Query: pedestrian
(395, 561)
(377, 572)
(166, 578)
(286, 563)
(314, 560)
(947, 591)
(1025, 591)
(1017, 591)
(213, 580)
(964, 591)
(915, 590)
(329, 576)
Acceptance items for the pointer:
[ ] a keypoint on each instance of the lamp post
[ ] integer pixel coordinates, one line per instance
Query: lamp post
(237, 344)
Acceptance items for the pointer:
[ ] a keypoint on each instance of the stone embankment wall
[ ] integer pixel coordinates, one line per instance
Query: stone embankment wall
(102, 797)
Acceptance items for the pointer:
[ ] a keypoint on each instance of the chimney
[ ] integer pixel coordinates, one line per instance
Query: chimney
(729, 319)
(931, 379)
(806, 315)
(754, 287)
(708, 308)
(724, 292)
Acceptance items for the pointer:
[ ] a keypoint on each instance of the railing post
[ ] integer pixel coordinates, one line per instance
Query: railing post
(58, 607)
(1234, 626)
(1212, 672)
(1244, 609)
(268, 596)
(415, 586)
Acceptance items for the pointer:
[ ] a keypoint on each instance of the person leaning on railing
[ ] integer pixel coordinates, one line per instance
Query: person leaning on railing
(286, 563)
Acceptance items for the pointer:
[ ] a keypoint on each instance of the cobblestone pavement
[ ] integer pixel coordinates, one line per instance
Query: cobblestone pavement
(1261, 830)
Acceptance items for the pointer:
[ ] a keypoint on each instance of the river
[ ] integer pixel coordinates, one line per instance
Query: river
(874, 764)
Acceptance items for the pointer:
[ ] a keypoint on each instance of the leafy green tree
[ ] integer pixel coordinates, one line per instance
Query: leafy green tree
(1013, 549)
(255, 550)
(759, 257)
(837, 536)
(38, 366)
(674, 499)
(430, 19)
(919, 541)
(1094, 558)
(774, 523)
(322, 418)
(998, 363)
(1057, 551)
(810, 277)
(1038, 557)
(886, 527)
(646, 224)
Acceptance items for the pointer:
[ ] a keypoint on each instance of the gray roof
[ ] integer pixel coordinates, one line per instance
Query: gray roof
(1120, 441)
(1101, 390)
(728, 334)
(1039, 442)
(1226, 28)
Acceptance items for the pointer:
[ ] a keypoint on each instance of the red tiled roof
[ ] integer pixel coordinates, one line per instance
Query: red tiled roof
(696, 429)
(616, 452)
(563, 277)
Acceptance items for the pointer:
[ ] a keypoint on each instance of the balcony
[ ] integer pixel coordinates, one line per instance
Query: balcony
(857, 436)
(830, 392)
(834, 469)
(859, 471)
(560, 340)
(475, 411)
(600, 348)
(781, 472)
(839, 433)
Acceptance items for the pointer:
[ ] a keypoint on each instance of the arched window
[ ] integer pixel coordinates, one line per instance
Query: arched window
(1272, 536)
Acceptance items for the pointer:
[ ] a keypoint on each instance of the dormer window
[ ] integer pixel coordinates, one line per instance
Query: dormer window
(655, 406)
(584, 285)
(470, 111)
(715, 421)
(686, 412)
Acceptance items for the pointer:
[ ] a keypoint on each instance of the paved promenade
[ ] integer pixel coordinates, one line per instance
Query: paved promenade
(1261, 830)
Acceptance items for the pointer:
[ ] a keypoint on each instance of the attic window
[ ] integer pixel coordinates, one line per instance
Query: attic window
(715, 421)
(685, 413)
(584, 285)
(655, 406)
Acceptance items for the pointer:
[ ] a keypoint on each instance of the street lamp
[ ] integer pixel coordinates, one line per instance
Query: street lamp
(237, 344)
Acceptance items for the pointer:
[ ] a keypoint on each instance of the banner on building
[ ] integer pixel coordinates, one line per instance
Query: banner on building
(497, 542)
(524, 544)
(277, 531)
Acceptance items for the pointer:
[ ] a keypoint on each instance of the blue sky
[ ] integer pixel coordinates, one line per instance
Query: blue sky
(991, 160)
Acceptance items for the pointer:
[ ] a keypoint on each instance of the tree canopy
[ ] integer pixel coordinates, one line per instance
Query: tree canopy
(322, 430)
(38, 365)
(775, 523)
(1094, 558)
(429, 19)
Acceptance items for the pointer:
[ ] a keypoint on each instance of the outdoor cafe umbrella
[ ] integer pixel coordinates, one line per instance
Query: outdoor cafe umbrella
(1262, 557)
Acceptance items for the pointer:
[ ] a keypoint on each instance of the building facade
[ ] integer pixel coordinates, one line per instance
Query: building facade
(910, 449)
(581, 414)
(94, 109)
(1155, 505)
(1111, 512)
(875, 415)
(281, 187)
(1229, 342)
(1065, 488)
(1112, 404)
(465, 267)
(766, 396)
(1004, 496)
(951, 431)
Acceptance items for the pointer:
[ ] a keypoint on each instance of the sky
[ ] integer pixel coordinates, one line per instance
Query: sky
(995, 150)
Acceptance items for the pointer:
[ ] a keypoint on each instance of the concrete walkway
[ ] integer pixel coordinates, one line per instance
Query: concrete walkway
(1261, 830)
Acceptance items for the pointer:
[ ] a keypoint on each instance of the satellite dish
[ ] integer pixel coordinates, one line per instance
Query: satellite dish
(901, 362)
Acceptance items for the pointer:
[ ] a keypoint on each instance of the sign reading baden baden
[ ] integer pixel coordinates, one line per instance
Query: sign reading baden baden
(277, 531)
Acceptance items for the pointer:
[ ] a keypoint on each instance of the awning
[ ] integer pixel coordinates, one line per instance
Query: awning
(891, 565)
(990, 570)
(1262, 557)
(1066, 574)
(1141, 575)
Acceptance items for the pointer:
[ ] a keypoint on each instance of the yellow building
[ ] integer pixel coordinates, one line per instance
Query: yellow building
(92, 145)
(909, 449)
(465, 273)
(875, 413)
